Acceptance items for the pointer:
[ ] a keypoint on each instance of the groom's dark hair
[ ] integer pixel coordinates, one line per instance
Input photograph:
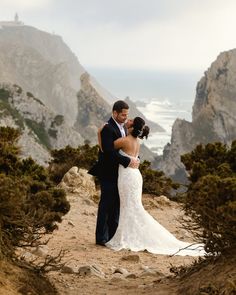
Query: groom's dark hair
(119, 105)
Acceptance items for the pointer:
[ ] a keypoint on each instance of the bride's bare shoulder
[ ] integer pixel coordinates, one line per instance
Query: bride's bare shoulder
(120, 142)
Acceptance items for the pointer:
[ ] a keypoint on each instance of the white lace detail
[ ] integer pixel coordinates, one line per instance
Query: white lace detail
(137, 229)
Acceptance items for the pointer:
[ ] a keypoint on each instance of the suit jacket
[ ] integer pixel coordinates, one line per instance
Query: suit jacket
(109, 159)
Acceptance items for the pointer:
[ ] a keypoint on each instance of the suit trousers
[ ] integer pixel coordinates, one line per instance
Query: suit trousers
(108, 211)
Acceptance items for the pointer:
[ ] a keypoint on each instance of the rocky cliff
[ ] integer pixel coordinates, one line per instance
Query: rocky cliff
(41, 128)
(213, 115)
(44, 66)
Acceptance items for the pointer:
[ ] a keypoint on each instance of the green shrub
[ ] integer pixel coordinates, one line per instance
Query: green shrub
(83, 157)
(155, 182)
(40, 131)
(8, 110)
(58, 120)
(29, 203)
(211, 195)
(52, 132)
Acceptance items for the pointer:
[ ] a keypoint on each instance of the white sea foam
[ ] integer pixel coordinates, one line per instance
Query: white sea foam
(164, 113)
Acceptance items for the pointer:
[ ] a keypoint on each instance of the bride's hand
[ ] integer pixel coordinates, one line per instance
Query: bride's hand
(99, 136)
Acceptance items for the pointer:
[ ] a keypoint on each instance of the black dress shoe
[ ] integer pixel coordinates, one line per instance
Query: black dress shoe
(101, 243)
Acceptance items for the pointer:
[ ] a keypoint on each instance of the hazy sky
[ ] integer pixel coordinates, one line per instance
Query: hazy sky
(172, 35)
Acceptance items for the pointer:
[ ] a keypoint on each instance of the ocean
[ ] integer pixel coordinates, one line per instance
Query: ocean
(162, 96)
(164, 113)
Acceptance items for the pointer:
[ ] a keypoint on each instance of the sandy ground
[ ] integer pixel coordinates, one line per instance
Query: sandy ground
(149, 273)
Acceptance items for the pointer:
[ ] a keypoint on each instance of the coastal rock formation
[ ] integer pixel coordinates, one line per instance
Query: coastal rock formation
(213, 115)
(44, 65)
(93, 110)
(41, 128)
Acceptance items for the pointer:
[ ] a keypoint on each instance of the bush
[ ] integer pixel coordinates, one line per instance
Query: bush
(83, 157)
(29, 203)
(211, 195)
(155, 182)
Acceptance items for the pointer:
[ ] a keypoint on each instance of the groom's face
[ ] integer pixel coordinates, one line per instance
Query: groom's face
(122, 116)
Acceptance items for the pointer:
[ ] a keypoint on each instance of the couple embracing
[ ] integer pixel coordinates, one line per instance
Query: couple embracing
(122, 221)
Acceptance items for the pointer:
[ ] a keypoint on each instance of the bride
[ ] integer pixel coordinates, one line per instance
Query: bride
(137, 229)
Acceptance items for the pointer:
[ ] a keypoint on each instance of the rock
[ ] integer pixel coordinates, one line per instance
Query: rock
(151, 272)
(71, 223)
(89, 270)
(37, 123)
(213, 116)
(122, 271)
(132, 258)
(148, 273)
(27, 256)
(41, 251)
(70, 269)
(53, 73)
(144, 267)
(131, 276)
(163, 201)
(117, 277)
(88, 202)
(79, 181)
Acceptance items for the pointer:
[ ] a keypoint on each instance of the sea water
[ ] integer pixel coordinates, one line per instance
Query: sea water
(164, 112)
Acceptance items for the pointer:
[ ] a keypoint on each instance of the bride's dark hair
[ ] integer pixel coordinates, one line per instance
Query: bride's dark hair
(139, 128)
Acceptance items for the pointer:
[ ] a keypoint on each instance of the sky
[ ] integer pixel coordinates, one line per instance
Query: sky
(182, 36)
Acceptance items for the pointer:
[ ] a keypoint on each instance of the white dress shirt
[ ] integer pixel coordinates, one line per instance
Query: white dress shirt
(121, 127)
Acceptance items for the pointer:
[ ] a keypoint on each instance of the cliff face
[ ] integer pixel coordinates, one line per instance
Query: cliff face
(213, 115)
(41, 128)
(93, 111)
(43, 64)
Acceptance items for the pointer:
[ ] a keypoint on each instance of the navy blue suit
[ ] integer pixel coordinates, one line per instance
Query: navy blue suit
(106, 169)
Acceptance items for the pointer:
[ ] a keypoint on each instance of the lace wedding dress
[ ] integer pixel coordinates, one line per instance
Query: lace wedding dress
(137, 229)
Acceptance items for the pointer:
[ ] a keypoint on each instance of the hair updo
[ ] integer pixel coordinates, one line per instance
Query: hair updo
(139, 128)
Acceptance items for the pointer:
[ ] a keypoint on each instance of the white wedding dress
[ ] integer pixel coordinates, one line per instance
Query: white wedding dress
(137, 229)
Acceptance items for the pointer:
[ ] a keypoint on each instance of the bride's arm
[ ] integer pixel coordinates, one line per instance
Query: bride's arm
(99, 136)
(119, 143)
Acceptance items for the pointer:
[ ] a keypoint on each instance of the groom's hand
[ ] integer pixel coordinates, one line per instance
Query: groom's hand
(134, 163)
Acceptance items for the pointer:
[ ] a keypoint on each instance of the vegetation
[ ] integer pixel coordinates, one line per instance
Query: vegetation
(29, 203)
(211, 195)
(83, 157)
(155, 182)
(8, 109)
(52, 133)
(40, 131)
(58, 120)
(19, 89)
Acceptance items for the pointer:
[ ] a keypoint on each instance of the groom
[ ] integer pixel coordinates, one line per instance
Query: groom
(107, 172)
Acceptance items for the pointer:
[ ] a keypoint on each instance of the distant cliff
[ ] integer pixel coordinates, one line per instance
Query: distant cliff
(43, 64)
(213, 115)
(41, 128)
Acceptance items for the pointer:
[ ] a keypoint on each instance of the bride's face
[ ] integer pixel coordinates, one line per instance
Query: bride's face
(129, 125)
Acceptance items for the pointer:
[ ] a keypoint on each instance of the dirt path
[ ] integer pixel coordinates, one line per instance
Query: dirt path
(143, 273)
